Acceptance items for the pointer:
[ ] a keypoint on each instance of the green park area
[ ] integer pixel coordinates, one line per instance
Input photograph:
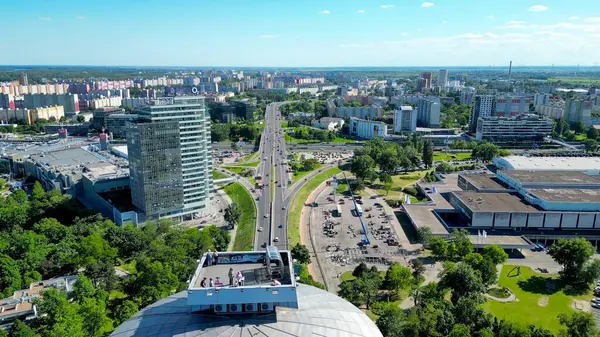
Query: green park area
(539, 298)
(247, 164)
(299, 174)
(439, 156)
(244, 238)
(283, 124)
(218, 175)
(399, 182)
(251, 157)
(299, 200)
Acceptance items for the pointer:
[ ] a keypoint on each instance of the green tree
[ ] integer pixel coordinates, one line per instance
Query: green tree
(80, 118)
(360, 270)
(572, 255)
(38, 193)
(591, 145)
(418, 269)
(362, 166)
(301, 253)
(31, 276)
(124, 311)
(20, 329)
(579, 127)
(83, 288)
(58, 318)
(462, 279)
(53, 230)
(391, 321)
(460, 330)
(485, 151)
(495, 253)
(592, 133)
(578, 324)
(398, 277)
(155, 280)
(385, 178)
(361, 290)
(428, 154)
(232, 214)
(424, 235)
(10, 276)
(439, 247)
(95, 321)
(94, 248)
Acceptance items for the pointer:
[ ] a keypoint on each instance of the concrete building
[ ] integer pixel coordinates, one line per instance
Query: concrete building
(578, 110)
(244, 109)
(443, 79)
(524, 127)
(482, 107)
(362, 112)
(328, 123)
(467, 98)
(116, 124)
(553, 110)
(29, 116)
(511, 106)
(266, 300)
(102, 102)
(133, 103)
(428, 77)
(155, 167)
(79, 129)
(428, 112)
(70, 102)
(24, 80)
(367, 129)
(196, 161)
(7, 101)
(541, 98)
(101, 114)
(587, 165)
(405, 119)
(21, 305)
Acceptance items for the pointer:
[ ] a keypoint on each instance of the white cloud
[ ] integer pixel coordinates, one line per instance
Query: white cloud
(596, 19)
(268, 36)
(470, 36)
(516, 24)
(80, 17)
(404, 34)
(44, 18)
(573, 18)
(489, 17)
(444, 21)
(538, 8)
(360, 11)
(325, 11)
(387, 6)
(561, 26)
(427, 4)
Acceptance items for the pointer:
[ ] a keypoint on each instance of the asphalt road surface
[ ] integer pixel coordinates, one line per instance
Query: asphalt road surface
(272, 152)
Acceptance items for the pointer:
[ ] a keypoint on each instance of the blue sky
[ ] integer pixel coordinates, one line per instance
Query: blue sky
(300, 32)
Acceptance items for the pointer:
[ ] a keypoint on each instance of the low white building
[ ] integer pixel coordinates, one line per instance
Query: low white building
(328, 123)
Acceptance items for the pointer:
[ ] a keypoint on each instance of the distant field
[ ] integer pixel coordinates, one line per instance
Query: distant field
(576, 80)
(439, 156)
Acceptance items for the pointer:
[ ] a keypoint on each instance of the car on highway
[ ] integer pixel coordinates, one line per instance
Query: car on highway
(276, 239)
(280, 225)
(283, 208)
(260, 229)
(266, 215)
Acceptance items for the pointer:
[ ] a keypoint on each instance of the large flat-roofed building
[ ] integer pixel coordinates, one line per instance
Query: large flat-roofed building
(405, 119)
(518, 179)
(195, 146)
(116, 124)
(266, 301)
(102, 113)
(587, 165)
(525, 127)
(70, 102)
(480, 183)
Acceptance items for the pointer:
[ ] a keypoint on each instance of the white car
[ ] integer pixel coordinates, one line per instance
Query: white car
(260, 229)
(596, 305)
(266, 215)
(276, 239)
(596, 300)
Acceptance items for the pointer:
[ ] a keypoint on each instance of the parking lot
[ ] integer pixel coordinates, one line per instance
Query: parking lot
(338, 239)
(325, 157)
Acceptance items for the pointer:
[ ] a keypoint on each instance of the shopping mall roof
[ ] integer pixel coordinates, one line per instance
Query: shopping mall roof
(571, 178)
(590, 164)
(483, 181)
(578, 195)
(494, 202)
(320, 313)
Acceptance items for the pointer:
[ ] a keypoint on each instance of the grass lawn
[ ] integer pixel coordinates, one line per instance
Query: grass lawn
(341, 189)
(529, 287)
(234, 169)
(300, 174)
(339, 140)
(576, 80)
(251, 157)
(439, 156)
(116, 294)
(580, 138)
(290, 139)
(283, 124)
(244, 237)
(299, 200)
(246, 164)
(399, 181)
(219, 175)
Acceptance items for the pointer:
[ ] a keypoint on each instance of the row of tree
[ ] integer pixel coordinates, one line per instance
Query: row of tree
(220, 132)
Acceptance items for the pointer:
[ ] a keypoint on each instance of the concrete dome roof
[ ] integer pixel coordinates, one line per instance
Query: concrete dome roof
(319, 313)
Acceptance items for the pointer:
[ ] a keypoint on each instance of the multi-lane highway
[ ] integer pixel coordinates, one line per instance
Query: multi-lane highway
(271, 223)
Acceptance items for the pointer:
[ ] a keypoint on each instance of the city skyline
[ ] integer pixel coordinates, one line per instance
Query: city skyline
(309, 34)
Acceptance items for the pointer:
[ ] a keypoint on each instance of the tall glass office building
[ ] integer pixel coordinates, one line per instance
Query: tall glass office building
(194, 142)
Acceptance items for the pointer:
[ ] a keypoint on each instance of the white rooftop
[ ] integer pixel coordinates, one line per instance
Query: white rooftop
(590, 165)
